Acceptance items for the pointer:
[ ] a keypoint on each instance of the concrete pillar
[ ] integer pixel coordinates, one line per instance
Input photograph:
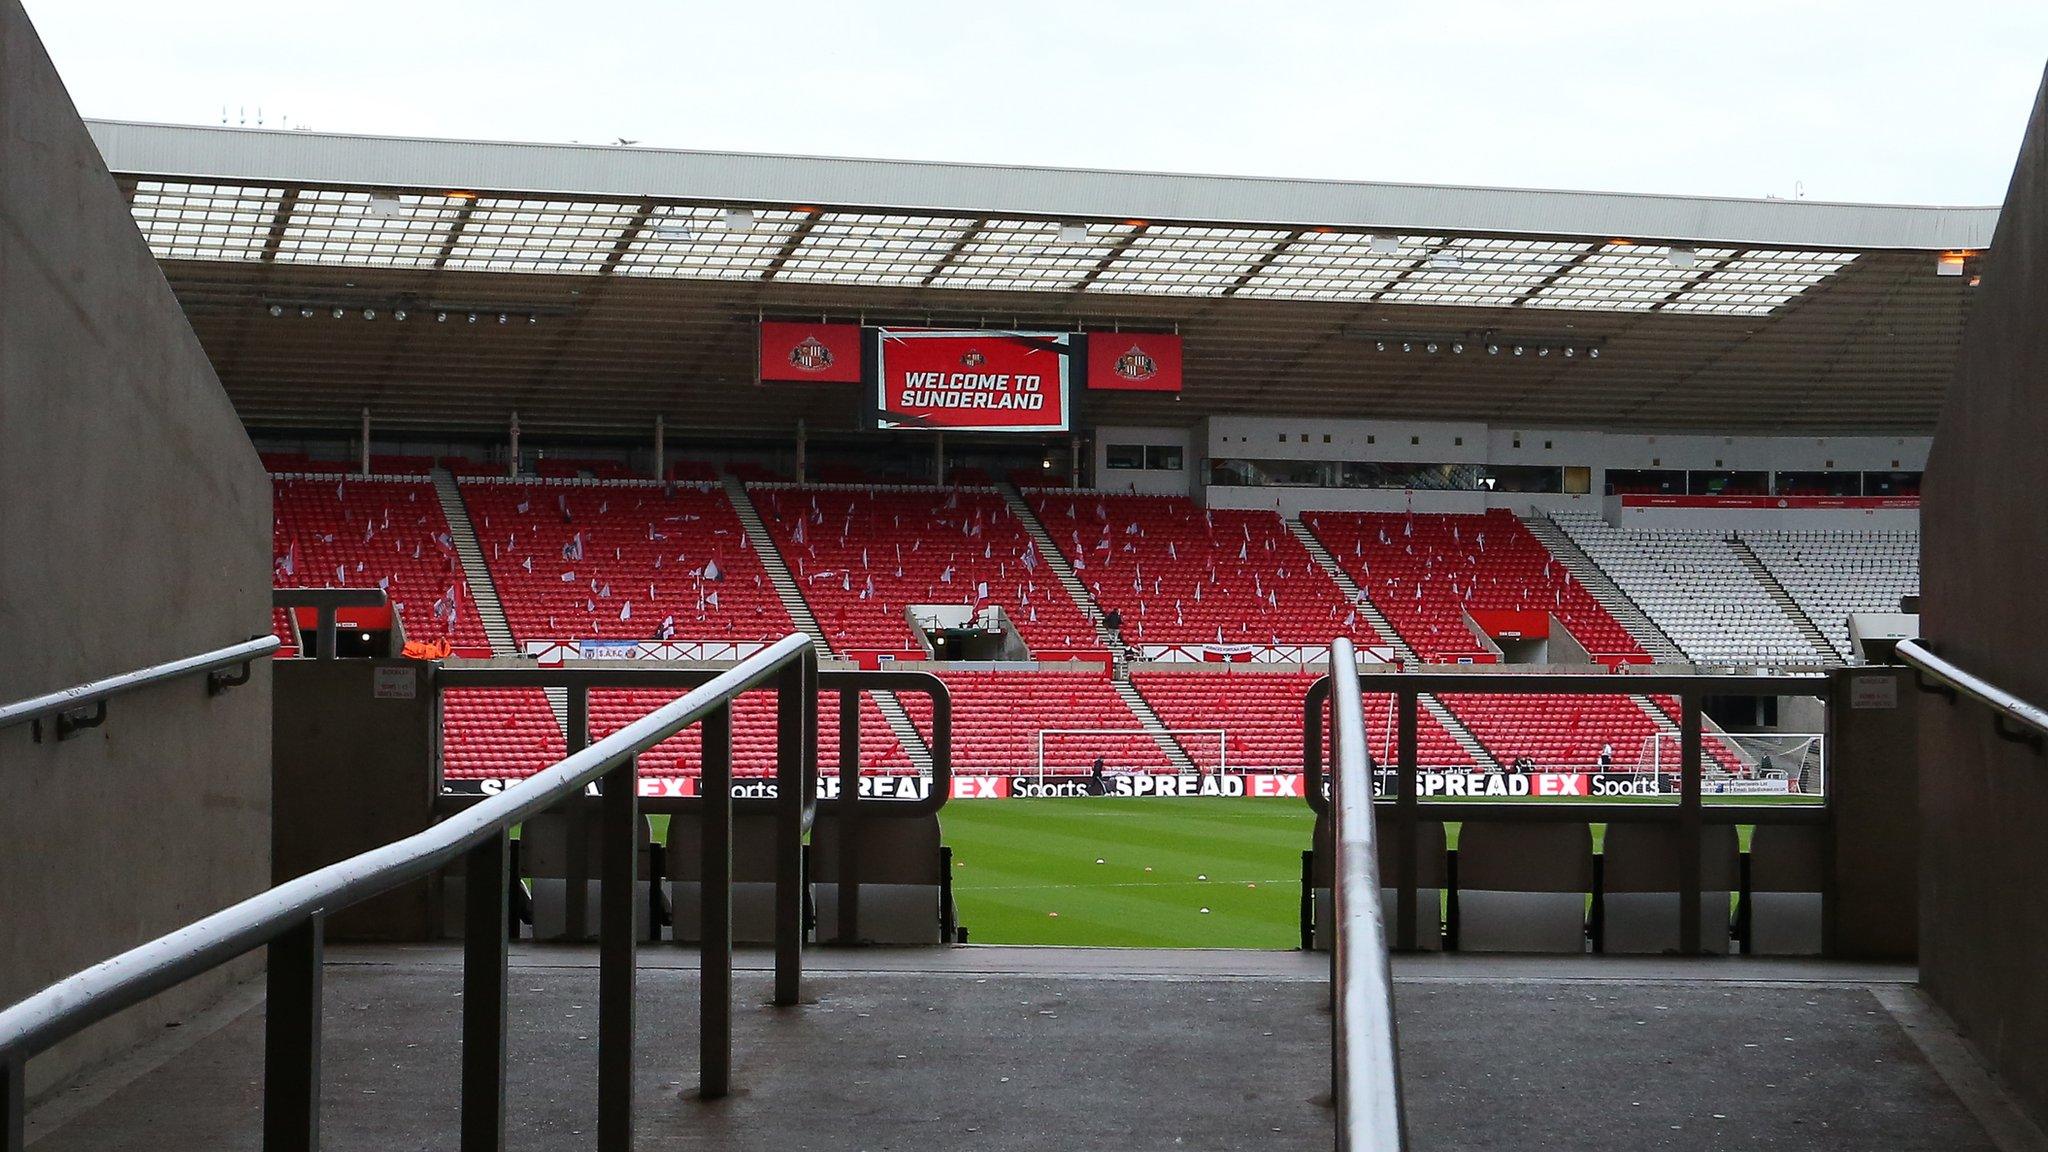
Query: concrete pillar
(938, 458)
(365, 454)
(660, 448)
(512, 469)
(1074, 460)
(802, 442)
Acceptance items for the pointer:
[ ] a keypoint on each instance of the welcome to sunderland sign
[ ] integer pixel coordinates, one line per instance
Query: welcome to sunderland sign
(978, 381)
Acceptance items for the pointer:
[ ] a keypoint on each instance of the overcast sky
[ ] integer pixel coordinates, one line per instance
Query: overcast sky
(1921, 101)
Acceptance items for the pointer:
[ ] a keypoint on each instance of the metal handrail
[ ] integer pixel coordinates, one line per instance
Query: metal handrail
(1951, 680)
(96, 693)
(289, 919)
(1365, 1056)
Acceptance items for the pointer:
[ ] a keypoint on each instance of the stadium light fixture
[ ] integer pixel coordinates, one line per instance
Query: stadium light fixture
(1518, 349)
(504, 318)
(1592, 353)
(382, 207)
(305, 313)
(1493, 349)
(338, 312)
(1458, 349)
(1407, 347)
(1950, 263)
(440, 317)
(277, 309)
(1443, 261)
(1073, 232)
(369, 313)
(739, 219)
(1430, 348)
(1679, 256)
(1383, 245)
(398, 314)
(472, 317)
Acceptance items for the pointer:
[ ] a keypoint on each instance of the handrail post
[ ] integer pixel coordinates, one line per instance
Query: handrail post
(13, 1103)
(1690, 835)
(576, 872)
(291, 1039)
(792, 691)
(1405, 814)
(486, 882)
(849, 812)
(619, 851)
(714, 929)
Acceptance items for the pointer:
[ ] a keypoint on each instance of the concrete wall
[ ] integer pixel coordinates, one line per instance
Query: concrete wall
(1984, 569)
(135, 528)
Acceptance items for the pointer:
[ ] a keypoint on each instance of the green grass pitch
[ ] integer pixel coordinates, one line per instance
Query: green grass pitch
(1027, 871)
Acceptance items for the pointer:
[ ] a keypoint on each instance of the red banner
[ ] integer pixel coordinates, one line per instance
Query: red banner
(974, 381)
(1134, 361)
(810, 353)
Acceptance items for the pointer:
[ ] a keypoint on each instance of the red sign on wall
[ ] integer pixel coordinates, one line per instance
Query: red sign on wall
(1134, 361)
(810, 353)
(973, 381)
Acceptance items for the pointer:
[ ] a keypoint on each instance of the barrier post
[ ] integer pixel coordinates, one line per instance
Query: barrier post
(791, 690)
(576, 885)
(619, 859)
(714, 1051)
(848, 811)
(1689, 823)
(291, 1039)
(1405, 814)
(484, 978)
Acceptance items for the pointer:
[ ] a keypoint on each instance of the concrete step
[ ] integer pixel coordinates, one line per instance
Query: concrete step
(1824, 651)
(1596, 581)
(1155, 727)
(1370, 613)
(800, 614)
(483, 591)
(1062, 569)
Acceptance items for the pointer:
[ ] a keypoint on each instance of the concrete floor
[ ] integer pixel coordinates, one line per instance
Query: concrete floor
(1017, 1048)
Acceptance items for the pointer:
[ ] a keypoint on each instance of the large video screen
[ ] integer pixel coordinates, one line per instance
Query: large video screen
(973, 381)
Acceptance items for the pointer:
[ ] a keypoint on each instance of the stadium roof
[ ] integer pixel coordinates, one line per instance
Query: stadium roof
(630, 280)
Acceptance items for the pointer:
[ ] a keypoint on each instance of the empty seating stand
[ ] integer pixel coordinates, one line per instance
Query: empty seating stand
(863, 556)
(1425, 572)
(1179, 574)
(1260, 714)
(374, 532)
(1831, 574)
(631, 560)
(997, 718)
(1697, 590)
(498, 734)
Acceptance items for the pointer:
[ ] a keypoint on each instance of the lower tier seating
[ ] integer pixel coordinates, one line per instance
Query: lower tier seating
(499, 734)
(374, 532)
(1261, 717)
(997, 718)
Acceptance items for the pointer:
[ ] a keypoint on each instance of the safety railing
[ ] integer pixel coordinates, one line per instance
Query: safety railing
(85, 706)
(580, 682)
(1365, 1060)
(290, 917)
(2011, 717)
(1690, 814)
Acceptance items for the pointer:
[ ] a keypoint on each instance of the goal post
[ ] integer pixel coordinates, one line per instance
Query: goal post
(1073, 751)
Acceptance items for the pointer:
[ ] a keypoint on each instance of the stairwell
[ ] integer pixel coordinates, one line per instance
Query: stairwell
(1602, 587)
(800, 614)
(1062, 569)
(482, 590)
(1154, 727)
(1824, 650)
(1370, 613)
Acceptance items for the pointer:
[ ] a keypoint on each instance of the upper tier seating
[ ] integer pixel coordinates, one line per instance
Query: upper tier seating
(753, 734)
(502, 734)
(368, 532)
(862, 555)
(1830, 574)
(1695, 588)
(1261, 717)
(997, 717)
(1424, 570)
(681, 557)
(569, 468)
(1183, 575)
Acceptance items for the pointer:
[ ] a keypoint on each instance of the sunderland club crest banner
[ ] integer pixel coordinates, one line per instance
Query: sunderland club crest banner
(810, 353)
(1133, 361)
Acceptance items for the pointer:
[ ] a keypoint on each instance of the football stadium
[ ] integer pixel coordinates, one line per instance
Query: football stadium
(1109, 659)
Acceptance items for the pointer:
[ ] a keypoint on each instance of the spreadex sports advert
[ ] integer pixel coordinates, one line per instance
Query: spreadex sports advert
(995, 381)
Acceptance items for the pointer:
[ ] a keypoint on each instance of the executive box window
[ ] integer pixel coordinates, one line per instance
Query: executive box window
(1645, 482)
(1727, 483)
(1125, 455)
(1891, 483)
(1820, 483)
(1381, 475)
(1153, 457)
(1163, 457)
